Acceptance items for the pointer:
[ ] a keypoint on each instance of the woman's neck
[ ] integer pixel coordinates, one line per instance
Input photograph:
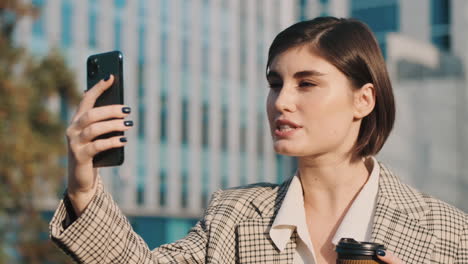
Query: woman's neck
(331, 184)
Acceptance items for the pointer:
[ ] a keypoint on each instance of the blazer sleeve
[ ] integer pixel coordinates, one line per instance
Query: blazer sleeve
(462, 253)
(102, 234)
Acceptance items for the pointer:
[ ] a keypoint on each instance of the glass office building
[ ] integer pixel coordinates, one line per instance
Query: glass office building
(440, 24)
(381, 16)
(432, 23)
(195, 79)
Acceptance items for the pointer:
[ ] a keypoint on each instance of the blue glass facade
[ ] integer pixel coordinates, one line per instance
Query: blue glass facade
(119, 5)
(440, 24)
(38, 40)
(67, 24)
(92, 23)
(382, 19)
(303, 10)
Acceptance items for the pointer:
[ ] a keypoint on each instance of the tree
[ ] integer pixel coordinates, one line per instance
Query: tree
(32, 140)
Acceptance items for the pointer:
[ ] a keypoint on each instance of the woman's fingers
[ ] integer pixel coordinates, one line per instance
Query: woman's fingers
(93, 148)
(89, 98)
(96, 129)
(101, 113)
(388, 257)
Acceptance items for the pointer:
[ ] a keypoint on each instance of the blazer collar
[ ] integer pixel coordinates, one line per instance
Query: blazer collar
(399, 196)
(268, 203)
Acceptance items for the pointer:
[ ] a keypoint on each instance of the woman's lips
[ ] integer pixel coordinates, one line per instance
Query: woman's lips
(285, 133)
(286, 128)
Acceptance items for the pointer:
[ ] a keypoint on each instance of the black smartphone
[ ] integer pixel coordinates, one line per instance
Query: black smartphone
(98, 67)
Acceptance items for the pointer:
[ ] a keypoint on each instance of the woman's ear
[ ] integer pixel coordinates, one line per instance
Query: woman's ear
(364, 100)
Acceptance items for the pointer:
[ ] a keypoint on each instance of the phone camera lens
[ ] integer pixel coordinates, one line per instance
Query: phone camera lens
(93, 68)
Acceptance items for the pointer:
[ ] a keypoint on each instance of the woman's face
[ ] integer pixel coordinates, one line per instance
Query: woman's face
(310, 105)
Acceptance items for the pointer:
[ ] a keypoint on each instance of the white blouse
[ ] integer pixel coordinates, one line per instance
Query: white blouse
(356, 224)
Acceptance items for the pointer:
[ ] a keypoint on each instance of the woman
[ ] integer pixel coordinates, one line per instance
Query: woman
(331, 105)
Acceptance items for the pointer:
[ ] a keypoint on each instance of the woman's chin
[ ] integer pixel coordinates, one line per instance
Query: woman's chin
(286, 148)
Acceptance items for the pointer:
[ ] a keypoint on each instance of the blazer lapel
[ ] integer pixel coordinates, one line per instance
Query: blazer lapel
(399, 221)
(254, 244)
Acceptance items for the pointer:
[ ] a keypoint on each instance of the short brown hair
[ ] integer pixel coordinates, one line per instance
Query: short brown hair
(351, 47)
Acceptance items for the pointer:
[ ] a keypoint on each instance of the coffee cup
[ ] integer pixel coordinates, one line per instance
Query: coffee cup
(350, 251)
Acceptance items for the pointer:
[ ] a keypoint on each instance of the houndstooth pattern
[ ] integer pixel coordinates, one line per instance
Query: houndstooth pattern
(235, 229)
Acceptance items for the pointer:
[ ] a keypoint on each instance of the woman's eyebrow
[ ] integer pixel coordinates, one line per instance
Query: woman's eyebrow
(302, 74)
(297, 75)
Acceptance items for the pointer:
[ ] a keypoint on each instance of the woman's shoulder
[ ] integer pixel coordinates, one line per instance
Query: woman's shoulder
(247, 201)
(246, 193)
(441, 211)
(411, 198)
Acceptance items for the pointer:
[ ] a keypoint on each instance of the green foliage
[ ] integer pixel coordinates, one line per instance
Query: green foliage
(32, 140)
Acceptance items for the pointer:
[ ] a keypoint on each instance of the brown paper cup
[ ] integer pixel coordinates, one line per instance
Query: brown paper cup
(357, 261)
(350, 251)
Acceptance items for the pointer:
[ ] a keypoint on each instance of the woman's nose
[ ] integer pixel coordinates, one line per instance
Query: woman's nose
(285, 101)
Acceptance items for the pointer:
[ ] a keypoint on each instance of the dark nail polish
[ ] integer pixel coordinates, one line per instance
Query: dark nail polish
(126, 110)
(128, 123)
(123, 139)
(107, 77)
(381, 252)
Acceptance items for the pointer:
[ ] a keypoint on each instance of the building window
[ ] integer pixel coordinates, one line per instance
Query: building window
(381, 19)
(440, 24)
(243, 137)
(92, 23)
(279, 167)
(243, 45)
(141, 42)
(205, 176)
(243, 168)
(141, 100)
(118, 32)
(162, 187)
(141, 68)
(165, 14)
(67, 17)
(260, 134)
(205, 57)
(119, 5)
(38, 29)
(440, 12)
(324, 8)
(163, 119)
(302, 10)
(224, 129)
(184, 194)
(185, 121)
(140, 193)
(164, 49)
(205, 124)
(142, 9)
(442, 42)
(225, 170)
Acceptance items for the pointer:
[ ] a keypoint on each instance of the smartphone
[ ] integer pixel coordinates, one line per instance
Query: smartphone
(98, 67)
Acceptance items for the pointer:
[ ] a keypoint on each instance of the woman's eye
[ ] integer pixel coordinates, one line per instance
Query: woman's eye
(306, 84)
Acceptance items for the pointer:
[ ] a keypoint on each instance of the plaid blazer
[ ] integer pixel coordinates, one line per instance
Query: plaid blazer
(235, 229)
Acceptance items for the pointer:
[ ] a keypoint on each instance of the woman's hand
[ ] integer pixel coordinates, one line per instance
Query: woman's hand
(388, 257)
(88, 123)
